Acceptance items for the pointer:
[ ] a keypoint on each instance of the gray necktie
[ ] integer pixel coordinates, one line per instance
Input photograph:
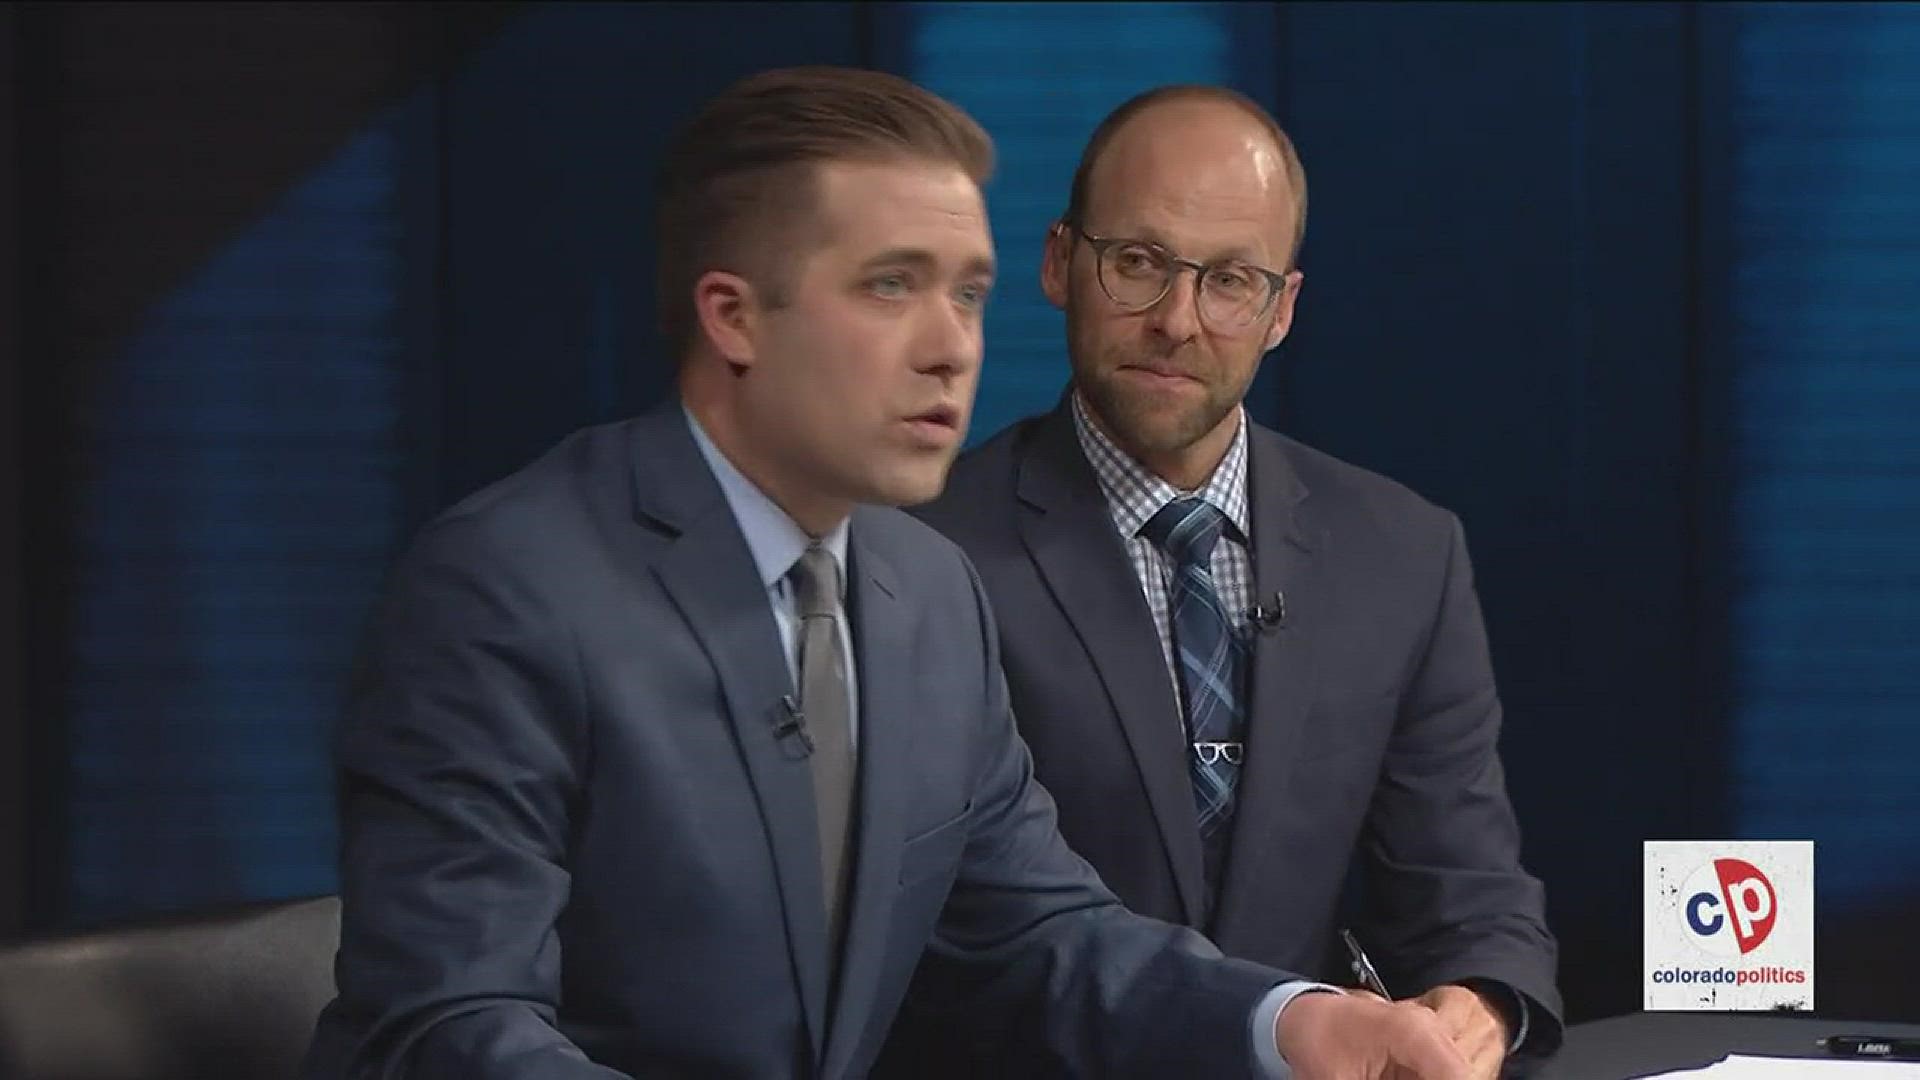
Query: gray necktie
(825, 706)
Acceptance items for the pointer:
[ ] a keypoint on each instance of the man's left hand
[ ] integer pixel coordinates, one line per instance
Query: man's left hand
(1477, 1028)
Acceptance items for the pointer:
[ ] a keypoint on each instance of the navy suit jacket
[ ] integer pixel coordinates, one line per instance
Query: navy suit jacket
(1373, 719)
(576, 841)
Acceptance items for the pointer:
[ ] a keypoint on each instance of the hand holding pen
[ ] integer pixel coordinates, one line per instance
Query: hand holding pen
(1477, 1030)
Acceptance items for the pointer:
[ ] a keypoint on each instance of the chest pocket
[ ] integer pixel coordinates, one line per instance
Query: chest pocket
(934, 852)
(1350, 724)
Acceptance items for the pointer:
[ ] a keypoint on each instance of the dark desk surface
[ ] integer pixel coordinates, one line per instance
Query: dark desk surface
(1630, 1046)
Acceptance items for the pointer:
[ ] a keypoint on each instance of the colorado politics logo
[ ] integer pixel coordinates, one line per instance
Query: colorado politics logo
(1729, 925)
(1730, 907)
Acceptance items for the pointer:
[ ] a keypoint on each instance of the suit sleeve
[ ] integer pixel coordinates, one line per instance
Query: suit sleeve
(1047, 958)
(1448, 900)
(458, 767)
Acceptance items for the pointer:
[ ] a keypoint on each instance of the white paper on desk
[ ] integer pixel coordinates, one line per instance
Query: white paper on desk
(1743, 1067)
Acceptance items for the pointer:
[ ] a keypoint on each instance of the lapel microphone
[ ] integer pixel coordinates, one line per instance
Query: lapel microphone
(1268, 615)
(792, 721)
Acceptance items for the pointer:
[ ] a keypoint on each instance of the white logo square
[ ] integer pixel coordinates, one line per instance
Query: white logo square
(1729, 925)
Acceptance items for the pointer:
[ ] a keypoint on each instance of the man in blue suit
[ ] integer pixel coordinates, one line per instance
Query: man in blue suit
(673, 753)
(1244, 668)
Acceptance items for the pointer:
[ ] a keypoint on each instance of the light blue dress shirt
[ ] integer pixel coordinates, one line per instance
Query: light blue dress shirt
(777, 542)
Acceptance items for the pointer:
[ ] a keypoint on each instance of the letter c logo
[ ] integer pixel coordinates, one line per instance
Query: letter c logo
(1704, 927)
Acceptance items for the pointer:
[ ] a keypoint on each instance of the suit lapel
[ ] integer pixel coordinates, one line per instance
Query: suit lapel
(883, 652)
(709, 572)
(1068, 530)
(1282, 678)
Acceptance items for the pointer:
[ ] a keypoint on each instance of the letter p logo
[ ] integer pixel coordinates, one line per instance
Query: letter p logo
(1750, 901)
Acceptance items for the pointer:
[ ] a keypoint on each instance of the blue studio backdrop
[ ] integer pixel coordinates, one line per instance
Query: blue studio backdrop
(1628, 287)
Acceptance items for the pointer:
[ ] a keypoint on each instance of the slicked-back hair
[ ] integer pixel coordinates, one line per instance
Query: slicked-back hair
(738, 190)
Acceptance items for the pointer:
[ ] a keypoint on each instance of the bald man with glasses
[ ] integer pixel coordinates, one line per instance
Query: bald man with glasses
(1250, 674)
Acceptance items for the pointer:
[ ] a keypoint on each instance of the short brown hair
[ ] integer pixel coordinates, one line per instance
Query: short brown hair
(737, 185)
(1139, 103)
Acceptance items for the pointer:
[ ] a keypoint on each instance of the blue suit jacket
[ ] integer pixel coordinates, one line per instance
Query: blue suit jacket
(576, 842)
(1373, 718)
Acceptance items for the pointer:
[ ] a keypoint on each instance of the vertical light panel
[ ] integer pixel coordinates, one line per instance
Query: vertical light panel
(1039, 77)
(1825, 219)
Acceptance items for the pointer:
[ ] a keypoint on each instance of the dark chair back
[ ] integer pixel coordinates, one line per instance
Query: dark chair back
(232, 993)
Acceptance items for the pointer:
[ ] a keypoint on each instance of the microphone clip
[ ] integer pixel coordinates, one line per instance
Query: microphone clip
(792, 721)
(1269, 614)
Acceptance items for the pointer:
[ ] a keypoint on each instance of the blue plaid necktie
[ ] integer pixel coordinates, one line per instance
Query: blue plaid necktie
(1210, 658)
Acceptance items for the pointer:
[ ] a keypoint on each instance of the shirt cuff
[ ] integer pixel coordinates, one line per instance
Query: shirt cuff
(1516, 1007)
(1267, 1062)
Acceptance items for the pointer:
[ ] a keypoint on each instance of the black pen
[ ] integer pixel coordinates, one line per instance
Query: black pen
(1872, 1046)
(1363, 967)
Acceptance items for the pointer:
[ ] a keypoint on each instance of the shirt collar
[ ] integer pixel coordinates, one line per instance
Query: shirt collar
(775, 539)
(1135, 494)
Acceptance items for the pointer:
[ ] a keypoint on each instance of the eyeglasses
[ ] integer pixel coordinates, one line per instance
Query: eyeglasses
(1210, 753)
(1136, 275)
